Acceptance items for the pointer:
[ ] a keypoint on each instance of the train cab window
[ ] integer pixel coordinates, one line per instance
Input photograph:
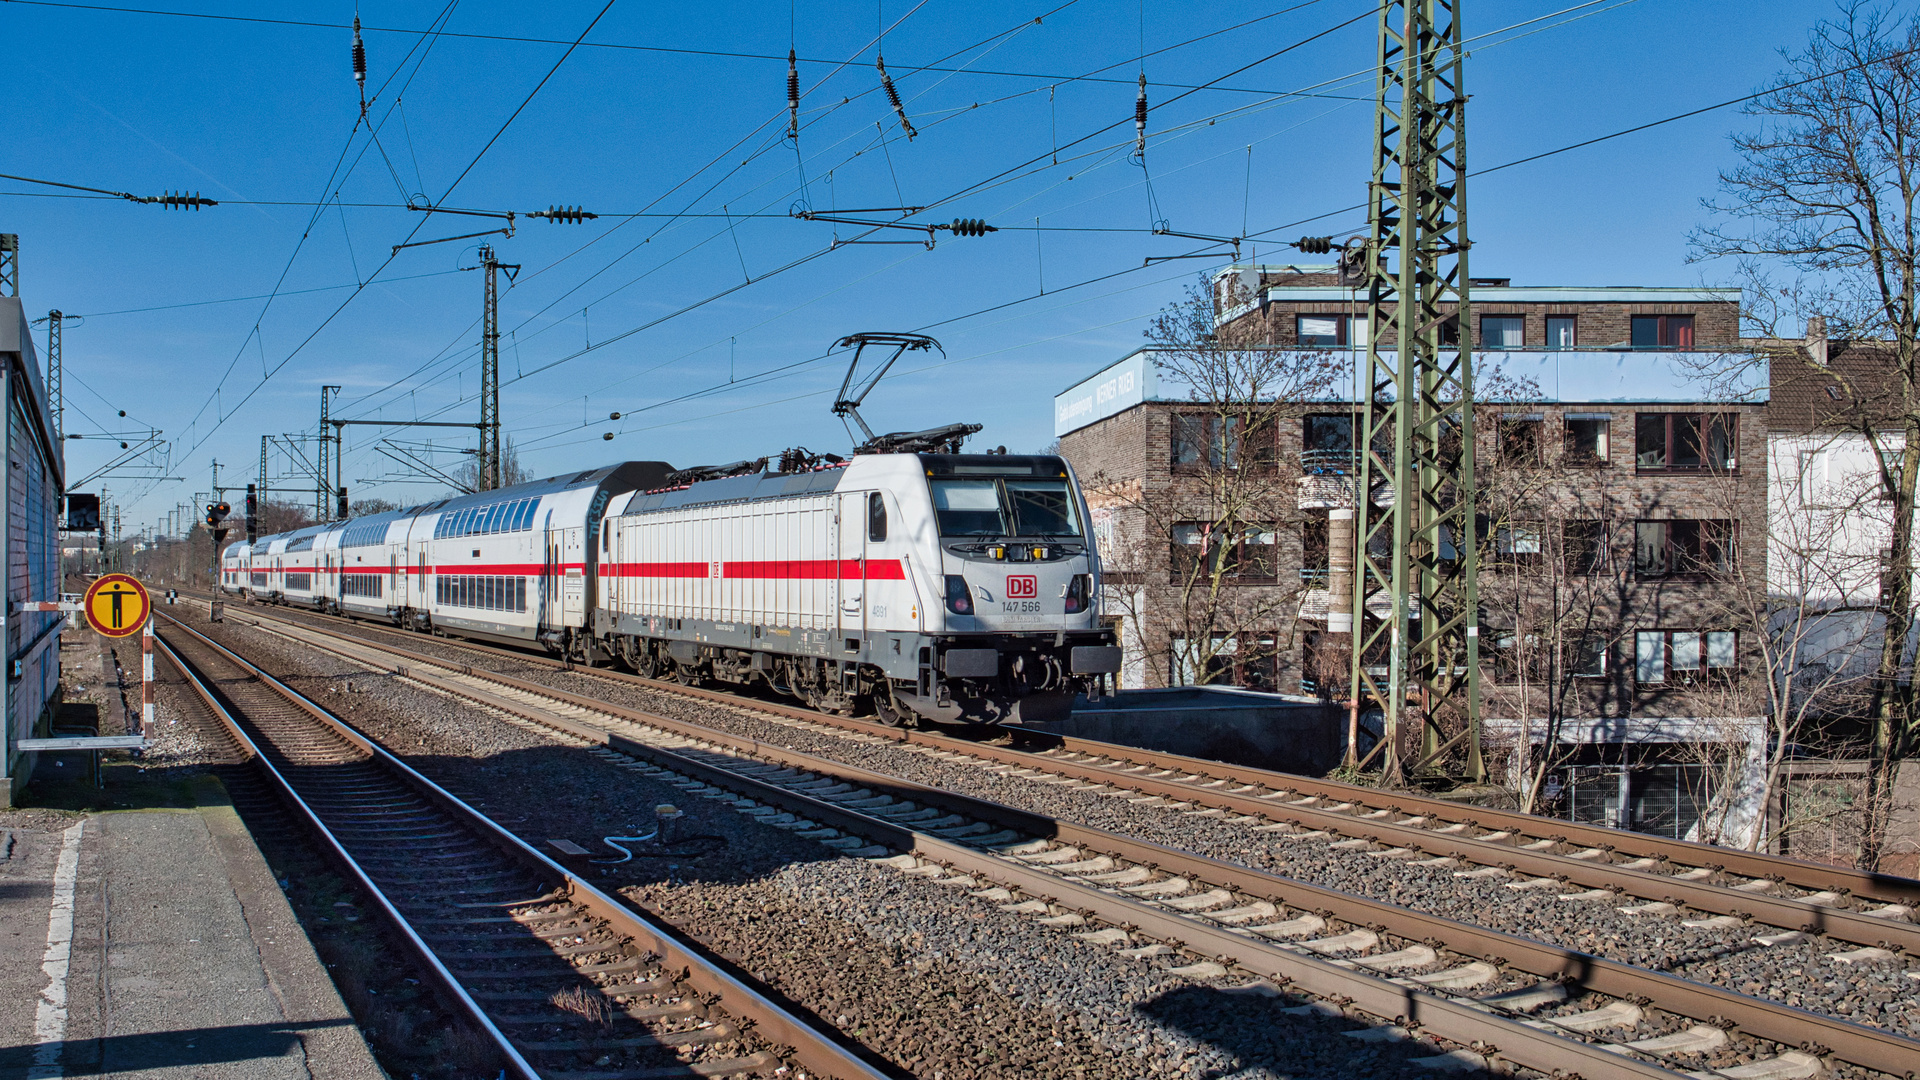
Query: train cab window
(876, 518)
(1009, 507)
(1042, 508)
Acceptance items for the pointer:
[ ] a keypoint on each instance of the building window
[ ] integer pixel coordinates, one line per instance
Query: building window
(1587, 656)
(1518, 657)
(1684, 441)
(1519, 543)
(1326, 444)
(1329, 331)
(1314, 564)
(1200, 441)
(1247, 660)
(1521, 441)
(1247, 554)
(1663, 331)
(1684, 657)
(1560, 332)
(1256, 560)
(1587, 440)
(1682, 548)
(1583, 543)
(1503, 332)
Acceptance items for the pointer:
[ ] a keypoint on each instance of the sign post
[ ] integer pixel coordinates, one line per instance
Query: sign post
(146, 678)
(117, 606)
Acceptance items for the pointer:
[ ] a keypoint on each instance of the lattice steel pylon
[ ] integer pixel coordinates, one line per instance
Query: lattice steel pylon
(1416, 596)
(328, 463)
(56, 395)
(487, 472)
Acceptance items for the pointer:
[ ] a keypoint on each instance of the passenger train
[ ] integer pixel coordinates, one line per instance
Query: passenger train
(943, 587)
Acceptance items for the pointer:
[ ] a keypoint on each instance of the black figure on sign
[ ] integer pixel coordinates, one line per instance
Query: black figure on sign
(117, 592)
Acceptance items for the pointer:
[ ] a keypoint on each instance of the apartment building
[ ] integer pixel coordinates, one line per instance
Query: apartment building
(1622, 458)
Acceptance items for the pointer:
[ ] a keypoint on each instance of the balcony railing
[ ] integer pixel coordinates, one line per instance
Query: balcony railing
(1329, 462)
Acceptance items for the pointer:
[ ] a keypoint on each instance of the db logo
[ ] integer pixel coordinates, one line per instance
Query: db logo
(1022, 587)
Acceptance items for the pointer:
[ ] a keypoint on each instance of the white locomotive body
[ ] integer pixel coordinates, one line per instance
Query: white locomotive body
(947, 587)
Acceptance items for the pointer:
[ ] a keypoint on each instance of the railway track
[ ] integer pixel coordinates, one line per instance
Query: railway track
(1495, 998)
(565, 980)
(1655, 876)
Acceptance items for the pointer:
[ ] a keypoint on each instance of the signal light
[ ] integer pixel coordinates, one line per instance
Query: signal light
(217, 513)
(959, 597)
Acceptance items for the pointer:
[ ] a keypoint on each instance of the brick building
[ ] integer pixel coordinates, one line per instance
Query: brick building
(1617, 480)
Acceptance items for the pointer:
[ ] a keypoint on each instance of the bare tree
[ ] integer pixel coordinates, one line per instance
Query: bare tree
(511, 471)
(1828, 189)
(1552, 586)
(1203, 537)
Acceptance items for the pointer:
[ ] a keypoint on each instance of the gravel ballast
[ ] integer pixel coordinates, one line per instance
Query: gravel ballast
(940, 983)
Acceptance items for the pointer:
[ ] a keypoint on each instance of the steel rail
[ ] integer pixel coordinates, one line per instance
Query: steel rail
(1207, 782)
(811, 1048)
(1871, 1048)
(1800, 873)
(445, 980)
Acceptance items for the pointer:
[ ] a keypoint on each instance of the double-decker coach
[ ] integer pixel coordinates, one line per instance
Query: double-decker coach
(515, 563)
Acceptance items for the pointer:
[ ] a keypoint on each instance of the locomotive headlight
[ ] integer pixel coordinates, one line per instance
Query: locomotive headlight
(1040, 554)
(999, 552)
(1079, 593)
(959, 597)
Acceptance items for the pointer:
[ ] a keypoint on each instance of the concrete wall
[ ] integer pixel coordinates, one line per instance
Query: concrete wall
(1268, 731)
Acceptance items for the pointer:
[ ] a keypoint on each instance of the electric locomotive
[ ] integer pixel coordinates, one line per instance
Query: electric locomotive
(927, 586)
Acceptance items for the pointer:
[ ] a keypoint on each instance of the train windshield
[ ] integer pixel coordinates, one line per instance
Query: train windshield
(1004, 507)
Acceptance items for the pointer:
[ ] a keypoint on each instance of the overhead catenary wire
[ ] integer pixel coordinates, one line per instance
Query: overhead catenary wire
(567, 358)
(791, 117)
(304, 342)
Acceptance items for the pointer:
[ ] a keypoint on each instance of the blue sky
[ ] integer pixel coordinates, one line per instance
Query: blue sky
(246, 112)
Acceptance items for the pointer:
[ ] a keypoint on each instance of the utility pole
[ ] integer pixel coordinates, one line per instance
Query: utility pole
(116, 536)
(9, 264)
(487, 463)
(262, 501)
(56, 402)
(1415, 543)
(328, 464)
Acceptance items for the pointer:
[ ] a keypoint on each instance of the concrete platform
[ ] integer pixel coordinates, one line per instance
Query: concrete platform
(156, 945)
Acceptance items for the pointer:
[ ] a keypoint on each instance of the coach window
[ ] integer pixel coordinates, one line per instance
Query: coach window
(876, 517)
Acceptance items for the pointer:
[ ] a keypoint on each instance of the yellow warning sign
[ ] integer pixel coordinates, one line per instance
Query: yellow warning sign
(117, 605)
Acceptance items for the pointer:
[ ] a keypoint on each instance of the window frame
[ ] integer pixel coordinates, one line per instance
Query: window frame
(1343, 335)
(1573, 325)
(1231, 451)
(1706, 672)
(1705, 425)
(1196, 560)
(1513, 448)
(1688, 565)
(1486, 339)
(1666, 332)
(1574, 457)
(1508, 536)
(1601, 548)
